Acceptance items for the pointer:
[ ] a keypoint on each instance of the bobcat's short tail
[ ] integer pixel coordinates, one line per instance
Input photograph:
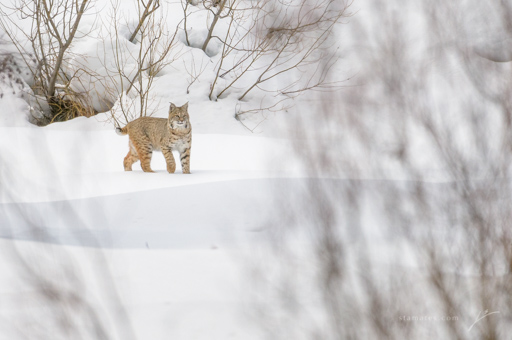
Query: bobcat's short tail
(121, 131)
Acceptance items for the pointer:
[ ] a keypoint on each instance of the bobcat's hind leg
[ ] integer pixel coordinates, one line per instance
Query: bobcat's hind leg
(130, 158)
(141, 147)
(145, 154)
(169, 159)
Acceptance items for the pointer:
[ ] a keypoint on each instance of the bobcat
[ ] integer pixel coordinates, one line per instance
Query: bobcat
(147, 134)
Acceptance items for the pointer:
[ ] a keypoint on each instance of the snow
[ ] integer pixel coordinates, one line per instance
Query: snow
(89, 163)
(168, 246)
(173, 238)
(169, 256)
(170, 241)
(187, 293)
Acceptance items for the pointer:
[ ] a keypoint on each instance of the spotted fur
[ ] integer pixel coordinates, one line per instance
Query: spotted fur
(148, 134)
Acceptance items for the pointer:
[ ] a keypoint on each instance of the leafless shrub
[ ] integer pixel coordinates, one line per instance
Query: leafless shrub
(193, 72)
(154, 51)
(278, 44)
(402, 229)
(54, 25)
(185, 5)
(145, 11)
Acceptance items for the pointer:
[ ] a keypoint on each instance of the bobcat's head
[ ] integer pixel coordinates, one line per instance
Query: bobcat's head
(178, 118)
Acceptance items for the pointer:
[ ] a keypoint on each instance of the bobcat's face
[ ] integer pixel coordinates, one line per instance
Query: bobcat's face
(178, 118)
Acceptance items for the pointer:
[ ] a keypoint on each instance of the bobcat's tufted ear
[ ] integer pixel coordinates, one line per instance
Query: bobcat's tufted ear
(185, 106)
(172, 107)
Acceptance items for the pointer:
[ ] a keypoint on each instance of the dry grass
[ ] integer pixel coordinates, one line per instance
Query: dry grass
(62, 109)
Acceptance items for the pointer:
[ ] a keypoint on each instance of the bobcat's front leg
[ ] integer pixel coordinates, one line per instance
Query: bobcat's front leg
(185, 160)
(169, 159)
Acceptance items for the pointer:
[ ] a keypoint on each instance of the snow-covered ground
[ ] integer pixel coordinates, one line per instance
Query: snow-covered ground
(156, 256)
(90, 251)
(171, 242)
